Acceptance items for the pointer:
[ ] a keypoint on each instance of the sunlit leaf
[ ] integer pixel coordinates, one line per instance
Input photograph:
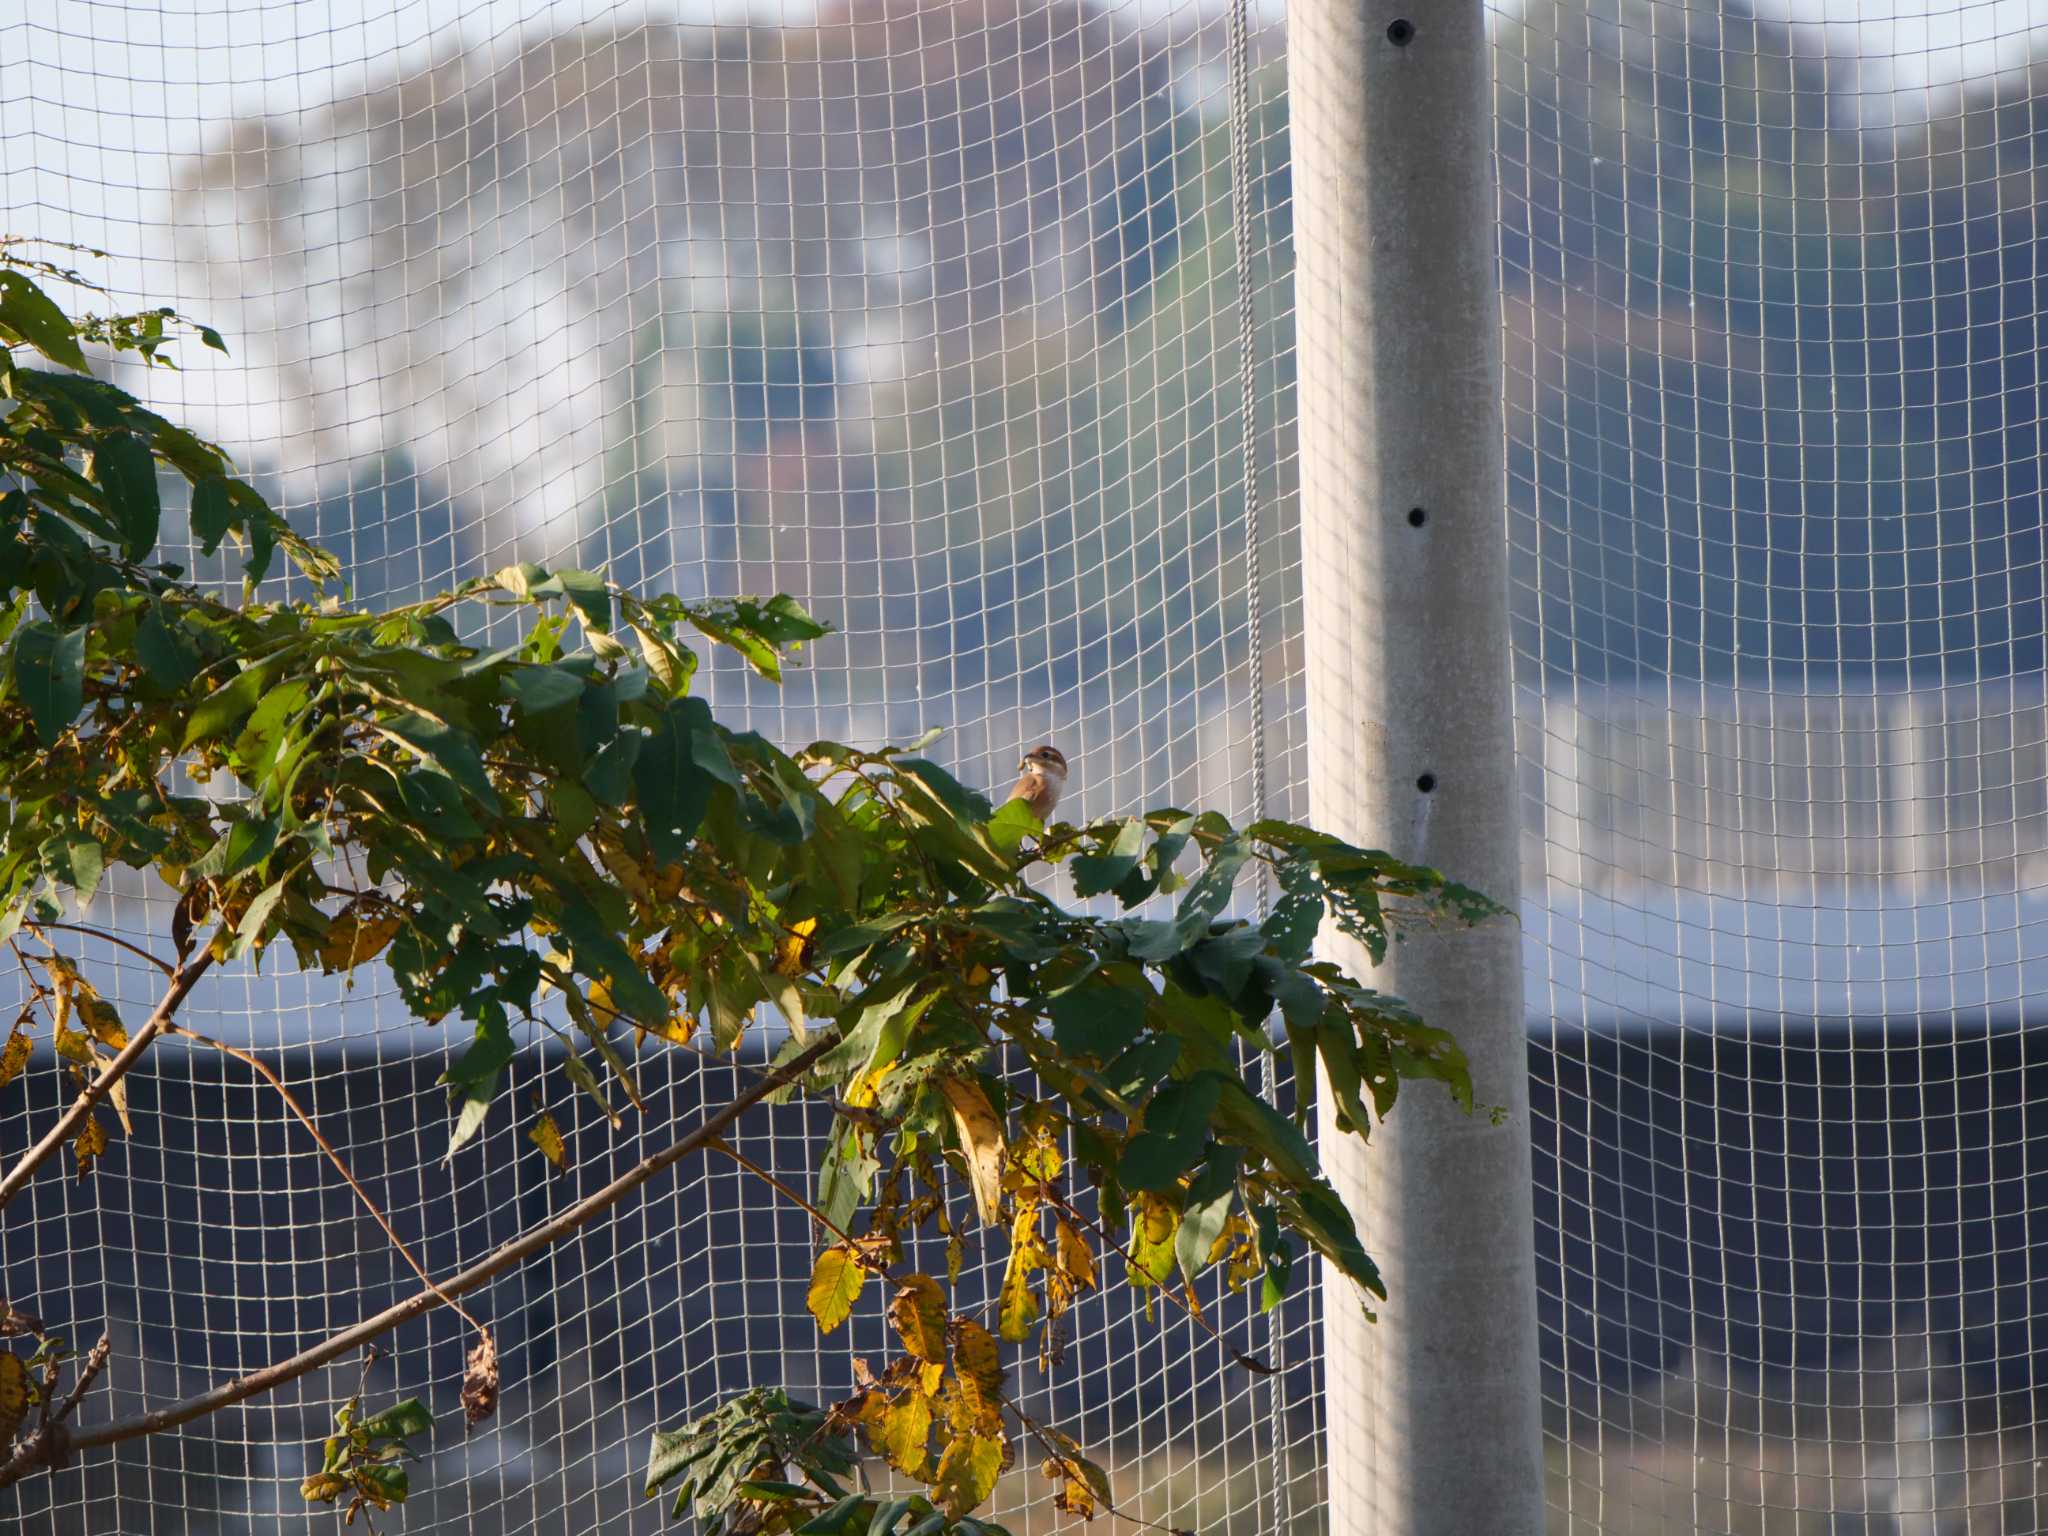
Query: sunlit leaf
(918, 1314)
(836, 1281)
(983, 1143)
(546, 1135)
(967, 1473)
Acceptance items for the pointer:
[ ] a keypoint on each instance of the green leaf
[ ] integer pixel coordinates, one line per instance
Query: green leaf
(673, 787)
(221, 504)
(227, 704)
(244, 845)
(1290, 929)
(476, 1108)
(165, 649)
(27, 314)
(78, 862)
(452, 751)
(250, 929)
(587, 592)
(1205, 1210)
(1262, 1128)
(1155, 1162)
(1098, 1021)
(967, 806)
(1012, 823)
(1210, 892)
(122, 464)
(535, 690)
(1095, 873)
(49, 670)
(407, 1418)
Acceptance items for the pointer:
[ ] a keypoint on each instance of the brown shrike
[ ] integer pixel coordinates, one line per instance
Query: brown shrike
(1043, 776)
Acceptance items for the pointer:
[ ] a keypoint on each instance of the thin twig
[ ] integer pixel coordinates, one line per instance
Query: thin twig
(1067, 1464)
(334, 1157)
(37, 925)
(336, 1345)
(720, 1144)
(182, 982)
(1183, 1299)
(95, 1361)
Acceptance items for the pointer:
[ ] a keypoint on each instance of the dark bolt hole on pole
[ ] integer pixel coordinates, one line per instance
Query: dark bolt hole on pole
(1401, 32)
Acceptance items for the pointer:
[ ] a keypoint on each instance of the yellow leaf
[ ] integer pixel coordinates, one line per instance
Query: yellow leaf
(967, 1473)
(1018, 1308)
(100, 1016)
(1153, 1224)
(978, 1363)
(88, 1144)
(981, 1139)
(117, 1095)
(14, 1056)
(1076, 1260)
(791, 951)
(349, 941)
(1083, 1485)
(979, 975)
(929, 1374)
(919, 1316)
(547, 1135)
(13, 1396)
(1042, 1159)
(863, 1090)
(74, 1046)
(626, 870)
(904, 1430)
(836, 1282)
(956, 1255)
(323, 1487)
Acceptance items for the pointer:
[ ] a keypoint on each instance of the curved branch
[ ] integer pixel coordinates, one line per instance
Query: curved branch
(182, 982)
(336, 1345)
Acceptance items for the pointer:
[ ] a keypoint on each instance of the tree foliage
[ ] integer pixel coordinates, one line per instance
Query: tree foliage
(549, 835)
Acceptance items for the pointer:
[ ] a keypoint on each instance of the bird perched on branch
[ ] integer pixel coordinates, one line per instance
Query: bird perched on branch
(1043, 774)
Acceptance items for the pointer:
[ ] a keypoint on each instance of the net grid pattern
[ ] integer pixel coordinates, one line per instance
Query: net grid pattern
(1771, 386)
(929, 315)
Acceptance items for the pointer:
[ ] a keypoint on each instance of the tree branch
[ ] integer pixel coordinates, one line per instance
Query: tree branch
(334, 1157)
(36, 926)
(26, 1458)
(182, 981)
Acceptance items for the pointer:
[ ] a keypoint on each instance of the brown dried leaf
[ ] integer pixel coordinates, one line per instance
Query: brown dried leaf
(13, 1397)
(14, 1055)
(88, 1144)
(480, 1382)
(14, 1321)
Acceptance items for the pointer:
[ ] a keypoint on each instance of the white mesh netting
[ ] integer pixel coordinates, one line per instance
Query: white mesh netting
(929, 316)
(926, 314)
(1774, 488)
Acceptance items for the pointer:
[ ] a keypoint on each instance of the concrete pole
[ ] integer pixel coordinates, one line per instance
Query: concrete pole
(1433, 1411)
